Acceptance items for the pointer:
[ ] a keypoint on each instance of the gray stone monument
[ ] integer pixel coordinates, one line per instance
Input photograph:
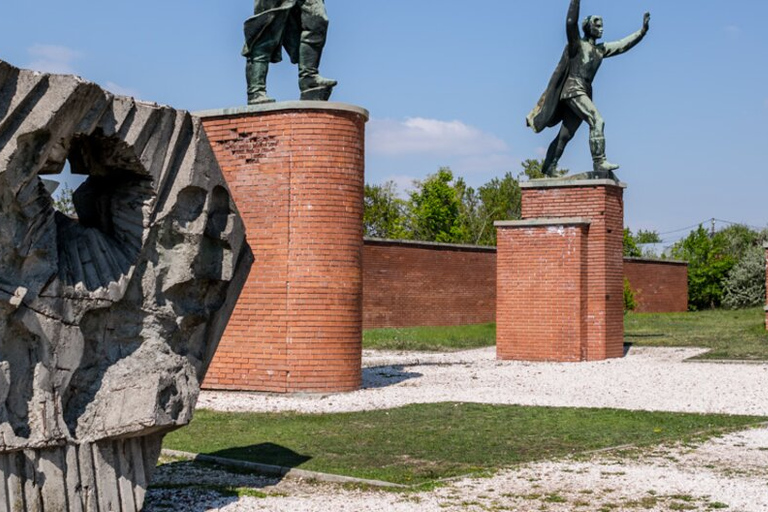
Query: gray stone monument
(107, 322)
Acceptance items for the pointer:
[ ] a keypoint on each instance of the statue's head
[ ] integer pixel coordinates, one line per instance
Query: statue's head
(593, 26)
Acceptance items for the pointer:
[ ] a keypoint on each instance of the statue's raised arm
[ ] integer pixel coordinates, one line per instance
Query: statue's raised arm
(624, 45)
(572, 26)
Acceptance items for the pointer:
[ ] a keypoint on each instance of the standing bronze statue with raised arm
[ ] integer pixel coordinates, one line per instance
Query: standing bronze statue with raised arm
(568, 98)
(299, 26)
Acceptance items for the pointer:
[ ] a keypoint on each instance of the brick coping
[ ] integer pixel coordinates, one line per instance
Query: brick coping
(567, 183)
(282, 106)
(564, 221)
(655, 260)
(429, 245)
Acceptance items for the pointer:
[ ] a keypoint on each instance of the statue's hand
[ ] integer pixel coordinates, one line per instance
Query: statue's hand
(646, 21)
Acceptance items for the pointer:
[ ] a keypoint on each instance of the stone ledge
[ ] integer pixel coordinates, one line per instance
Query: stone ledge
(567, 183)
(429, 245)
(284, 106)
(532, 223)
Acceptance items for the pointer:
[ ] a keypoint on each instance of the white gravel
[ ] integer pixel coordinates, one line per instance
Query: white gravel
(655, 379)
(732, 470)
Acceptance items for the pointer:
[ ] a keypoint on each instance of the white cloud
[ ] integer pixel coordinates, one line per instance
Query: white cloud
(52, 59)
(733, 30)
(120, 90)
(430, 136)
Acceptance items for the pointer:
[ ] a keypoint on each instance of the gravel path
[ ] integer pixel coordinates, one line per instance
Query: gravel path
(730, 471)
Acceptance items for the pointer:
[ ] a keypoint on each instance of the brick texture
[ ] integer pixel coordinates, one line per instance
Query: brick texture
(659, 286)
(542, 293)
(408, 284)
(602, 274)
(297, 177)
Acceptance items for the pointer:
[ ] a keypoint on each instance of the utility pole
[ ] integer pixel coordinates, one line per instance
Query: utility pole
(713, 228)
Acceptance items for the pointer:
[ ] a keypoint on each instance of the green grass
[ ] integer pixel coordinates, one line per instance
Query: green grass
(431, 339)
(739, 334)
(418, 444)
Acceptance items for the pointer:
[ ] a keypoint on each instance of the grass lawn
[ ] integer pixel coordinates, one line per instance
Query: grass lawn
(738, 335)
(418, 444)
(431, 339)
(730, 334)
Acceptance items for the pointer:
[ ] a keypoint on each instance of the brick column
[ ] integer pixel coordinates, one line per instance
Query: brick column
(573, 238)
(296, 171)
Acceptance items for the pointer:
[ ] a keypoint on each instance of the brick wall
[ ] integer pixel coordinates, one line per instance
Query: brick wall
(409, 284)
(296, 175)
(660, 286)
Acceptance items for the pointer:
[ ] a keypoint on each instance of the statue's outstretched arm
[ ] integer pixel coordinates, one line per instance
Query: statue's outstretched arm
(572, 26)
(629, 42)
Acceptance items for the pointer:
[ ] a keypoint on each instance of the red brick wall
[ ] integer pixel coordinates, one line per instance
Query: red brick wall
(659, 286)
(409, 284)
(542, 293)
(297, 177)
(603, 205)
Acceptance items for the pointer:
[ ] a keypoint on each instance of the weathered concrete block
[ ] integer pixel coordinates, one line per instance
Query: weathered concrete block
(108, 322)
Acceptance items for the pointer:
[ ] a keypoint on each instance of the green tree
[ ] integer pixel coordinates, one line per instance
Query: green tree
(63, 202)
(631, 249)
(499, 200)
(532, 169)
(384, 213)
(647, 237)
(708, 265)
(745, 283)
(435, 209)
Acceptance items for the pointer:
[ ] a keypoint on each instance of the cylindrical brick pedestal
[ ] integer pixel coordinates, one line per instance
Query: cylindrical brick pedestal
(296, 171)
(560, 273)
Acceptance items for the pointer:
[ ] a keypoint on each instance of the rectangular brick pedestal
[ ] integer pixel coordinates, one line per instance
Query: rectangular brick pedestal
(560, 273)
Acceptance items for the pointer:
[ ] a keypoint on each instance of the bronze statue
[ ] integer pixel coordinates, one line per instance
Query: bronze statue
(299, 26)
(568, 98)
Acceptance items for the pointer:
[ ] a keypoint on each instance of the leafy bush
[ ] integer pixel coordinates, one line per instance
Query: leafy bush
(745, 284)
(630, 303)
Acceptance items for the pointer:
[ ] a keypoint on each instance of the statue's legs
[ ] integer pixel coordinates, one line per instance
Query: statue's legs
(256, 77)
(583, 107)
(314, 27)
(571, 123)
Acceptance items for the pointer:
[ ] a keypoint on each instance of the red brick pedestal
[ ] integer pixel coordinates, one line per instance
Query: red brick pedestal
(560, 273)
(296, 171)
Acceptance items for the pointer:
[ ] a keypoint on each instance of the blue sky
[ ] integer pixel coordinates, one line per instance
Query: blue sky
(448, 85)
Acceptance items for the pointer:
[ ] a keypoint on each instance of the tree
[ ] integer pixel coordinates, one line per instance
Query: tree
(500, 199)
(434, 209)
(708, 266)
(384, 213)
(647, 237)
(631, 250)
(532, 169)
(745, 283)
(63, 201)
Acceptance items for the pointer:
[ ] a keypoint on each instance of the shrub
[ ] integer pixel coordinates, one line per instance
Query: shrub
(630, 303)
(745, 284)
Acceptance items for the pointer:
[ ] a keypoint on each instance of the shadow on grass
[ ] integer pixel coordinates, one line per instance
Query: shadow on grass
(183, 486)
(383, 376)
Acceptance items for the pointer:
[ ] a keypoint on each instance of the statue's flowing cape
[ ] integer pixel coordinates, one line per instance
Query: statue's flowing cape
(547, 112)
(273, 21)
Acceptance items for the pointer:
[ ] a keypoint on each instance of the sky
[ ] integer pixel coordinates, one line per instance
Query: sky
(449, 83)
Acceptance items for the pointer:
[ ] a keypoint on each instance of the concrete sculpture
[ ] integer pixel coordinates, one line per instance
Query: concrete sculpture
(107, 322)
